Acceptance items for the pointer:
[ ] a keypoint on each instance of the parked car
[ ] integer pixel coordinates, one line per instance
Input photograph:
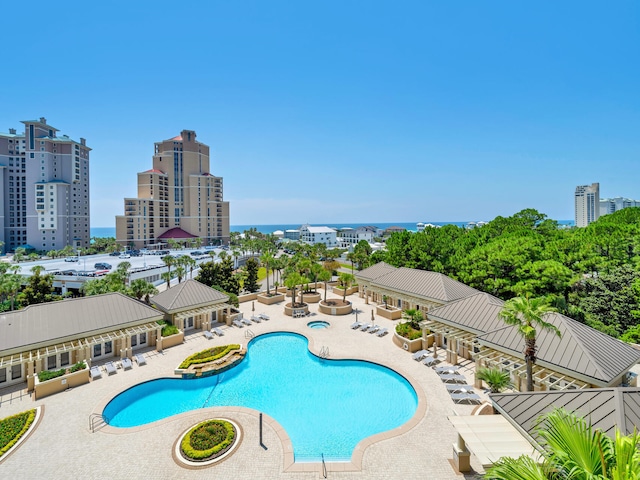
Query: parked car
(71, 259)
(197, 253)
(115, 254)
(102, 266)
(124, 255)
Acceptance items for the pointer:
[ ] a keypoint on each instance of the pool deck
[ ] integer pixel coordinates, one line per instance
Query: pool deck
(63, 445)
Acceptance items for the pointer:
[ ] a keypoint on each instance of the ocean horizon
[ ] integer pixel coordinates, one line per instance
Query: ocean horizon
(104, 232)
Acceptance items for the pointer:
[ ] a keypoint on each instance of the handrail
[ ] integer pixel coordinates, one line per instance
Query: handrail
(324, 352)
(249, 334)
(324, 467)
(97, 416)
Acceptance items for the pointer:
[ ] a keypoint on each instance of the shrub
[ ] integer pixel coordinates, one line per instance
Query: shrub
(405, 330)
(77, 367)
(208, 355)
(12, 428)
(167, 329)
(45, 375)
(207, 438)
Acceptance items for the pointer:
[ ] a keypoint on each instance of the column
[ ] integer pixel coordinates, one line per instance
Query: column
(461, 456)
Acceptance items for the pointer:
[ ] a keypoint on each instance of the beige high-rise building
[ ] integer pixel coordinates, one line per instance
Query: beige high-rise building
(177, 199)
(587, 203)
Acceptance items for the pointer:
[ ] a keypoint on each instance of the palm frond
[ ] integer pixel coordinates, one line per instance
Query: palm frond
(521, 468)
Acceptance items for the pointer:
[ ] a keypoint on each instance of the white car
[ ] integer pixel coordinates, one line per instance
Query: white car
(124, 255)
(71, 259)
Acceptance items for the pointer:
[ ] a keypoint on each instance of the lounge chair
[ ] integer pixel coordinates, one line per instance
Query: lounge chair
(447, 369)
(246, 321)
(374, 329)
(208, 334)
(366, 327)
(460, 388)
(110, 368)
(356, 325)
(255, 318)
(466, 397)
(453, 378)
(429, 361)
(238, 323)
(140, 359)
(264, 316)
(95, 373)
(126, 363)
(420, 354)
(217, 331)
(382, 332)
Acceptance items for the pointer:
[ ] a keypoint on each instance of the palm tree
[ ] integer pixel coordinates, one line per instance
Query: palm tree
(141, 288)
(414, 317)
(325, 276)
(573, 449)
(37, 270)
(166, 276)
(212, 254)
(168, 260)
(291, 281)
(267, 260)
(496, 379)
(346, 279)
(528, 314)
(351, 257)
(180, 272)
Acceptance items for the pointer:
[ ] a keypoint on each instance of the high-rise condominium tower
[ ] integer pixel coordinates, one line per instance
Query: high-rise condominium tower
(44, 187)
(587, 199)
(177, 199)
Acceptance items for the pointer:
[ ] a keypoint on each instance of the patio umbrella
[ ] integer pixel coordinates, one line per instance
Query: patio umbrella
(373, 319)
(435, 348)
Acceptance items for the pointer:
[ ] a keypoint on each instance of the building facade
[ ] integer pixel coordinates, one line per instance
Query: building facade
(44, 183)
(179, 194)
(611, 205)
(313, 235)
(587, 204)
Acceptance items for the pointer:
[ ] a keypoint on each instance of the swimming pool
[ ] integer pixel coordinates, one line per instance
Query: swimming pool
(325, 406)
(316, 324)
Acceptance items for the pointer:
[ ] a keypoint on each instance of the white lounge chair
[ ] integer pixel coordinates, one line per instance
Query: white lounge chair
(453, 378)
(264, 316)
(466, 397)
(356, 325)
(95, 373)
(208, 334)
(256, 319)
(110, 368)
(447, 369)
(382, 332)
(460, 388)
(238, 323)
(246, 321)
(420, 354)
(429, 361)
(374, 329)
(140, 359)
(126, 363)
(217, 331)
(366, 327)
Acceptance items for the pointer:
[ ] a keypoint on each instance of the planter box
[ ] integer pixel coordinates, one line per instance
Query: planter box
(172, 340)
(335, 310)
(412, 345)
(247, 297)
(264, 299)
(340, 291)
(60, 384)
(311, 297)
(392, 313)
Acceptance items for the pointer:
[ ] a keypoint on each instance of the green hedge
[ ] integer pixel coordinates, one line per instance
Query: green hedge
(191, 451)
(405, 330)
(49, 374)
(167, 328)
(208, 355)
(12, 428)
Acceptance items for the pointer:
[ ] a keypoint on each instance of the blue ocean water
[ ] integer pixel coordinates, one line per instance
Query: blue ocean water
(411, 226)
(326, 406)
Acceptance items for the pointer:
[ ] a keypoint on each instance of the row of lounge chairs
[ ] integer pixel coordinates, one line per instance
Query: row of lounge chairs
(209, 334)
(370, 328)
(240, 323)
(424, 357)
(111, 368)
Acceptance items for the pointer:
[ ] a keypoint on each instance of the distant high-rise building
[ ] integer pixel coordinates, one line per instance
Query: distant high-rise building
(44, 185)
(177, 199)
(610, 205)
(587, 200)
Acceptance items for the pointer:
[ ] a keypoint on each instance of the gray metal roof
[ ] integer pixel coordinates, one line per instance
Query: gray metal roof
(605, 408)
(477, 313)
(375, 271)
(580, 349)
(49, 323)
(187, 294)
(421, 283)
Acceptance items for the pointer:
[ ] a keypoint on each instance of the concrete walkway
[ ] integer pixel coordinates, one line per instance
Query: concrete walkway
(63, 445)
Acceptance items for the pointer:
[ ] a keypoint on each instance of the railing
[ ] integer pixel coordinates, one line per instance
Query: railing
(324, 467)
(249, 334)
(324, 352)
(96, 420)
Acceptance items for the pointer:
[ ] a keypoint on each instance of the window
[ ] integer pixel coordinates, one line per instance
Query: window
(3, 375)
(16, 371)
(108, 347)
(134, 340)
(97, 350)
(64, 359)
(190, 322)
(143, 338)
(52, 362)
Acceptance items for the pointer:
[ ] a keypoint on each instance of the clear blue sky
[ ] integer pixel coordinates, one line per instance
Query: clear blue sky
(342, 111)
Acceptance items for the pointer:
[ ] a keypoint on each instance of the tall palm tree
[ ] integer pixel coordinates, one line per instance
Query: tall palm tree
(573, 449)
(346, 279)
(325, 276)
(291, 281)
(169, 261)
(528, 314)
(267, 260)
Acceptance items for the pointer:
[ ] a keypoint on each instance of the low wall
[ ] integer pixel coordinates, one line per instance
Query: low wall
(60, 384)
(247, 297)
(311, 297)
(412, 345)
(262, 298)
(389, 313)
(171, 341)
(333, 310)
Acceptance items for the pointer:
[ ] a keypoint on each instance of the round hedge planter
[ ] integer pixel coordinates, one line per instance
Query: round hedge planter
(217, 456)
(335, 309)
(312, 297)
(288, 309)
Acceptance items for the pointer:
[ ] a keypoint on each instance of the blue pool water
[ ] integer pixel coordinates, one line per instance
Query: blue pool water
(325, 406)
(318, 324)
